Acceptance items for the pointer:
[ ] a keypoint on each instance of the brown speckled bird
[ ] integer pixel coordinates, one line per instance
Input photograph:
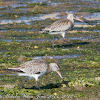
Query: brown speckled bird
(61, 26)
(36, 68)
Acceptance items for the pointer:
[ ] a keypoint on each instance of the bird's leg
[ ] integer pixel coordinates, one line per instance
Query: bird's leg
(63, 39)
(63, 35)
(53, 41)
(37, 85)
(22, 83)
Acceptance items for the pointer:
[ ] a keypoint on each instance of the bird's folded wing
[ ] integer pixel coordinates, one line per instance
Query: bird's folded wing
(31, 67)
(61, 25)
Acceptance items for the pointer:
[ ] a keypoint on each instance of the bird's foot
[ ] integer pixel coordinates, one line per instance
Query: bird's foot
(53, 45)
(64, 82)
(65, 40)
(39, 89)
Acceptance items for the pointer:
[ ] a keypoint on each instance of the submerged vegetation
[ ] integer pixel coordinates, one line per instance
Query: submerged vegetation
(23, 41)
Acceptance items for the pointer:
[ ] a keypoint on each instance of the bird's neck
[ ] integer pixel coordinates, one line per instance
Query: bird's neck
(71, 19)
(49, 69)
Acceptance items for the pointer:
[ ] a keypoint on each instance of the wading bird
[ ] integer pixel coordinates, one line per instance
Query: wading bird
(61, 26)
(36, 68)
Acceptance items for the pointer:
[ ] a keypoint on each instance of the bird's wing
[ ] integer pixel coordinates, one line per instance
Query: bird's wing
(32, 67)
(61, 25)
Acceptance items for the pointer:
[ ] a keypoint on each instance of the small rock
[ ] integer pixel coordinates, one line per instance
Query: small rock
(55, 93)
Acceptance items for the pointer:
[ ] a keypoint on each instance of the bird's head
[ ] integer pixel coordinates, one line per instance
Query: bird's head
(55, 67)
(73, 17)
(70, 16)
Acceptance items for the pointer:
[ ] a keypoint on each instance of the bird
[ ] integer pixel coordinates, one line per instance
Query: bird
(61, 26)
(36, 68)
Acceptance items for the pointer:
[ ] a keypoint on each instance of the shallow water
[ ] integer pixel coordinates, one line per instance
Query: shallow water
(10, 40)
(93, 15)
(19, 30)
(3, 74)
(21, 19)
(58, 56)
(79, 38)
(18, 5)
(26, 19)
(72, 38)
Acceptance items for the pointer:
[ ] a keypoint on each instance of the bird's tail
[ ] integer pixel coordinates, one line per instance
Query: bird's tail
(15, 69)
(43, 32)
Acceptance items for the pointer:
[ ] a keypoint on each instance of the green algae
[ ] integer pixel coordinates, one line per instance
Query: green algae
(81, 74)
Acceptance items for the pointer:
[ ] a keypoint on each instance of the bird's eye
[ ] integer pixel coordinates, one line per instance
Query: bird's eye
(74, 16)
(58, 66)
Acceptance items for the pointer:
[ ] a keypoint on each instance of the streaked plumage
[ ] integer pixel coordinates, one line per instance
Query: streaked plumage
(62, 26)
(36, 68)
(59, 26)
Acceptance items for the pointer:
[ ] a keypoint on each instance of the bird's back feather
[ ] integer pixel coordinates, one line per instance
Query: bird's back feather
(61, 25)
(32, 67)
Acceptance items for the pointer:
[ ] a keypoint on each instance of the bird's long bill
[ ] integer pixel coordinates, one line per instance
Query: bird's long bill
(79, 19)
(58, 72)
